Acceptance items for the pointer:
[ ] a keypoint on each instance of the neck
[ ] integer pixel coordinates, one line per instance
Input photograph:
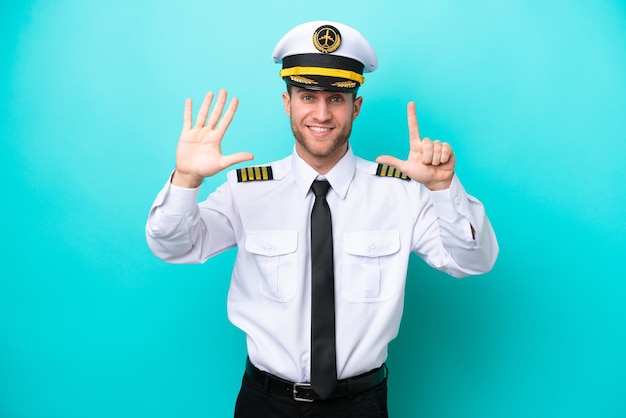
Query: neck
(322, 163)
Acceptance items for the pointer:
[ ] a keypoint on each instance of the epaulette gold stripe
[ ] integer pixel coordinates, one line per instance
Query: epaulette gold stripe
(254, 174)
(385, 170)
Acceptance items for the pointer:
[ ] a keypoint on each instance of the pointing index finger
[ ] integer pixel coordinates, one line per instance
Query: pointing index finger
(414, 132)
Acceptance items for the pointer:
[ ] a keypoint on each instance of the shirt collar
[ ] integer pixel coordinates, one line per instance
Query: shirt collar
(339, 177)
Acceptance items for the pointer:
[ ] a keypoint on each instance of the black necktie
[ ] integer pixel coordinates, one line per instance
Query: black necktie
(323, 358)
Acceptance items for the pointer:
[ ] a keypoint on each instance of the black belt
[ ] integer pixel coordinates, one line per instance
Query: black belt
(303, 391)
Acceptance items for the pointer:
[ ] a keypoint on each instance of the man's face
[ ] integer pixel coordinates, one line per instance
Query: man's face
(321, 122)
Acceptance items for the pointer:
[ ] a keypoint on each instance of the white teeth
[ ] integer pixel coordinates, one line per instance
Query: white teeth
(318, 129)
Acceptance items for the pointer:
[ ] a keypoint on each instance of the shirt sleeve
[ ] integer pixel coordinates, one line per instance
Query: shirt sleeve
(467, 239)
(181, 231)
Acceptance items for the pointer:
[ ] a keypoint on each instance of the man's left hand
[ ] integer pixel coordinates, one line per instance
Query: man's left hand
(429, 162)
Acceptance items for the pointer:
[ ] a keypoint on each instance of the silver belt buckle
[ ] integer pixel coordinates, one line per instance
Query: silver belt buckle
(295, 392)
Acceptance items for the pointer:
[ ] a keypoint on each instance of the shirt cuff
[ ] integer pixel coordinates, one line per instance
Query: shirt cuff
(179, 200)
(451, 202)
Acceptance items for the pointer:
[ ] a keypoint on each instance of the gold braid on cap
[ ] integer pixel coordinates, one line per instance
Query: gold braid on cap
(328, 72)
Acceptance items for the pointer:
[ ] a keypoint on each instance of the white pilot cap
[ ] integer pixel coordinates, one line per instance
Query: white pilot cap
(324, 55)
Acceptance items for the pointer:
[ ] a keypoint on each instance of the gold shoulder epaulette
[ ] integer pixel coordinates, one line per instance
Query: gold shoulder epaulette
(384, 170)
(254, 174)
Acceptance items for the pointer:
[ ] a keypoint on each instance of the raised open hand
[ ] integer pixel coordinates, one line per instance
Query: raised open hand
(429, 162)
(199, 152)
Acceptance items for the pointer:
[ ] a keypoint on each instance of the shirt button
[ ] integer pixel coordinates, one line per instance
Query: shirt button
(457, 200)
(372, 245)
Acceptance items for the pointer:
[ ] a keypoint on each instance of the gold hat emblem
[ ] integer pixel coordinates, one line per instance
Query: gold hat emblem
(326, 39)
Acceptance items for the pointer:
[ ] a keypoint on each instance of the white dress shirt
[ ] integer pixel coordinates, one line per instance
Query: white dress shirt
(377, 223)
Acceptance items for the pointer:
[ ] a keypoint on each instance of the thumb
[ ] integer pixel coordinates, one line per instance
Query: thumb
(390, 160)
(228, 160)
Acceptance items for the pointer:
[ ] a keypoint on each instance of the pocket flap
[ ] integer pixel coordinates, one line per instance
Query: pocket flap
(271, 243)
(372, 243)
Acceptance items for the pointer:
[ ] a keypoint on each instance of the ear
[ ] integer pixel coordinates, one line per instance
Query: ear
(356, 107)
(287, 103)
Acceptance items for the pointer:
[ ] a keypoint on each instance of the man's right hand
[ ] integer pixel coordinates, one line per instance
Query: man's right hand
(199, 152)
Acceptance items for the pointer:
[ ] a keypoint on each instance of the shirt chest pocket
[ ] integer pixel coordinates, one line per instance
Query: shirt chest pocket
(369, 271)
(274, 262)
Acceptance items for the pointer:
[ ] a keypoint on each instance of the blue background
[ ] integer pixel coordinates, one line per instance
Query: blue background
(532, 95)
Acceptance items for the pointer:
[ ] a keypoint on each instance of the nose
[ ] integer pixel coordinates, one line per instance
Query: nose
(322, 111)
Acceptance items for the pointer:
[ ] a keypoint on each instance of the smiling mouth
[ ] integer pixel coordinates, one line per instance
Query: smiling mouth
(319, 129)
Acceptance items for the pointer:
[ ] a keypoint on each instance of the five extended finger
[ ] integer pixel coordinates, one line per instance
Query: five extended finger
(228, 116)
(204, 109)
(217, 110)
(187, 116)
(236, 158)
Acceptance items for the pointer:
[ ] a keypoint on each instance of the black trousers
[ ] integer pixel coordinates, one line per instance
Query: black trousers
(254, 401)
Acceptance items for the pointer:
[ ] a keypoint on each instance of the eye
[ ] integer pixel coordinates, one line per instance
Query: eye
(336, 99)
(307, 98)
